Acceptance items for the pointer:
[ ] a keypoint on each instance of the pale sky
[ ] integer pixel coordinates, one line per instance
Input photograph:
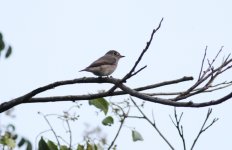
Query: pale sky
(53, 40)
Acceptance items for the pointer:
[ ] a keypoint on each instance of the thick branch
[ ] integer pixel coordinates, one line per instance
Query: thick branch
(207, 77)
(27, 98)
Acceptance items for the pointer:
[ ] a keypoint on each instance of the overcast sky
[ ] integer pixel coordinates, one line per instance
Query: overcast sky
(53, 40)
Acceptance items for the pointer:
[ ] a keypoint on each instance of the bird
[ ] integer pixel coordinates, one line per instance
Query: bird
(105, 65)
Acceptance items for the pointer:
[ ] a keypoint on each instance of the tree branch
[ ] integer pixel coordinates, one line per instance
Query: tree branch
(153, 124)
(179, 127)
(203, 128)
(130, 73)
(27, 98)
(203, 84)
(202, 63)
(120, 127)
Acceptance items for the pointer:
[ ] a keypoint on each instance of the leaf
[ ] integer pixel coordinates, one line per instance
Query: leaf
(43, 145)
(89, 146)
(108, 121)
(21, 142)
(95, 147)
(15, 136)
(2, 45)
(63, 147)
(8, 52)
(99, 147)
(7, 140)
(10, 143)
(29, 145)
(80, 147)
(136, 136)
(100, 103)
(52, 145)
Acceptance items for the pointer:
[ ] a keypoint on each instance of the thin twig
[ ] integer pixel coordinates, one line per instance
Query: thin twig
(217, 55)
(70, 134)
(38, 135)
(119, 129)
(211, 88)
(133, 74)
(203, 128)
(153, 124)
(51, 128)
(210, 74)
(202, 63)
(128, 75)
(179, 127)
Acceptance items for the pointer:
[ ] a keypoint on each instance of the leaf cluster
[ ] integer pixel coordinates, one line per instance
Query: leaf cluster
(11, 139)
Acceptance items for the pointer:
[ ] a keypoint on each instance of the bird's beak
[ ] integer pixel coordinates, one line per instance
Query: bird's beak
(122, 56)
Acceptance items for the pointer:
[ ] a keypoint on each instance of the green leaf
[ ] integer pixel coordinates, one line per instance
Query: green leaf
(8, 52)
(29, 145)
(7, 140)
(10, 142)
(100, 103)
(136, 136)
(108, 121)
(80, 147)
(43, 145)
(95, 147)
(2, 45)
(21, 142)
(52, 145)
(89, 146)
(14, 137)
(99, 147)
(63, 147)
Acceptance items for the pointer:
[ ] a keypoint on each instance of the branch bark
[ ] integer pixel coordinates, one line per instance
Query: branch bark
(203, 84)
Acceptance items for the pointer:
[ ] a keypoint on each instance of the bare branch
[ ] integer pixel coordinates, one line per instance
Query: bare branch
(51, 128)
(203, 84)
(217, 55)
(204, 128)
(129, 74)
(120, 127)
(70, 133)
(202, 63)
(211, 88)
(27, 98)
(207, 78)
(133, 74)
(176, 122)
(153, 124)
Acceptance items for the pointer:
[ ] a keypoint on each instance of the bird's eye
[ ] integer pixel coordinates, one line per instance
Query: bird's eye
(115, 53)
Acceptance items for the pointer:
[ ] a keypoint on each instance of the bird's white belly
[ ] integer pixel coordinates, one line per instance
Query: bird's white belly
(103, 70)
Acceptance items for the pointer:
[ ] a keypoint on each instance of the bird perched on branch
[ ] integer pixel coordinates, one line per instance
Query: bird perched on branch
(105, 65)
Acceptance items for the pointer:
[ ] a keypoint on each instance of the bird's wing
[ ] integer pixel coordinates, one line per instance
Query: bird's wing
(103, 61)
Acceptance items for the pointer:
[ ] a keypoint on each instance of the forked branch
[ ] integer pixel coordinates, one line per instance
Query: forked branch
(203, 84)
